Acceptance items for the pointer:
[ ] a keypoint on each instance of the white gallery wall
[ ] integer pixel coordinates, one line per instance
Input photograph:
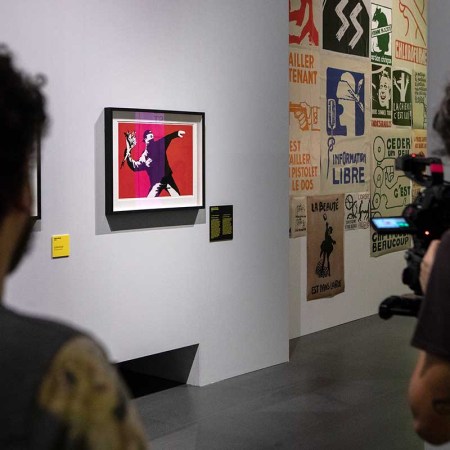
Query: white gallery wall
(151, 283)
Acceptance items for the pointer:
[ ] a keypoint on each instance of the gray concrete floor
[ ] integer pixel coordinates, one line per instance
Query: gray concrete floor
(344, 388)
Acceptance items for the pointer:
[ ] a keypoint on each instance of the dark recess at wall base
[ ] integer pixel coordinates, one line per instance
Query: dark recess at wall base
(140, 384)
(158, 372)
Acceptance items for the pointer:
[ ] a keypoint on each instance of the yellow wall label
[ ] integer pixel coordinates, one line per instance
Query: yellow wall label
(60, 245)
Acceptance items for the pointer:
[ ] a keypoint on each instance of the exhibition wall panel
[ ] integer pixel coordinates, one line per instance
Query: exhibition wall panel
(153, 282)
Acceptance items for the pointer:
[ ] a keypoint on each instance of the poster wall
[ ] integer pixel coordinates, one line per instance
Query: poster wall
(358, 101)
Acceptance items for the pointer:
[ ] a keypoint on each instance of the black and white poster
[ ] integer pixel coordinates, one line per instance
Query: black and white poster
(402, 98)
(381, 96)
(381, 47)
(325, 246)
(346, 26)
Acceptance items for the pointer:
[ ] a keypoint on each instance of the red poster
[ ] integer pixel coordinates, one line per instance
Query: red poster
(158, 154)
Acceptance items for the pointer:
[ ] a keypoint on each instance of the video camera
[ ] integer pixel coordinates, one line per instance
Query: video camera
(426, 219)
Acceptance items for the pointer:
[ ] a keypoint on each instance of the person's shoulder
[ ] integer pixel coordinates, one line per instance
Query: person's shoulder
(83, 391)
(22, 331)
(34, 322)
(83, 350)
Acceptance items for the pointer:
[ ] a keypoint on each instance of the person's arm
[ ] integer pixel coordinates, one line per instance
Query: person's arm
(429, 398)
(141, 164)
(130, 141)
(429, 391)
(176, 134)
(87, 402)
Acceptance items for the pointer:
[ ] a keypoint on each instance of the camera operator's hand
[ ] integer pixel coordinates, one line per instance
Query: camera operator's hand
(427, 264)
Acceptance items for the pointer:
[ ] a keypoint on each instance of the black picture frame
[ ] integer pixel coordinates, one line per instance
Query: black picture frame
(154, 160)
(35, 180)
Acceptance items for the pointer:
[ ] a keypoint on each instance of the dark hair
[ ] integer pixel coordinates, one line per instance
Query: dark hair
(22, 120)
(441, 121)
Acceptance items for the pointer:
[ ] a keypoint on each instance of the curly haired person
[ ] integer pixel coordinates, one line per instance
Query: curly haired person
(57, 389)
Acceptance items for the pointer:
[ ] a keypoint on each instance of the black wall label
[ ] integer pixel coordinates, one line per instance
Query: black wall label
(220, 223)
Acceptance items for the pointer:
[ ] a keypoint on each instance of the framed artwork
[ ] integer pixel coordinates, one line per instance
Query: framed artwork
(35, 181)
(154, 160)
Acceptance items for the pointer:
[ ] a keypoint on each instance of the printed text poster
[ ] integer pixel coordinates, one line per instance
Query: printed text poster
(420, 99)
(304, 121)
(419, 148)
(357, 211)
(420, 142)
(402, 98)
(345, 145)
(381, 96)
(381, 39)
(390, 188)
(325, 246)
(297, 222)
(410, 33)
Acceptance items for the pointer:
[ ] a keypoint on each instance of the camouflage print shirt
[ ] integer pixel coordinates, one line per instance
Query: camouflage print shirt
(84, 404)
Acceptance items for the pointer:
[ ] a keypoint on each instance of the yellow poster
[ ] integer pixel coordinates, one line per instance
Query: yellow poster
(325, 246)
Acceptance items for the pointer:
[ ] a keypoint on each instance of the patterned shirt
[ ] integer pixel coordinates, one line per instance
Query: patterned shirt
(87, 402)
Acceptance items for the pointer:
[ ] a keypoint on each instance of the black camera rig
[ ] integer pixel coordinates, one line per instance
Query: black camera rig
(426, 219)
